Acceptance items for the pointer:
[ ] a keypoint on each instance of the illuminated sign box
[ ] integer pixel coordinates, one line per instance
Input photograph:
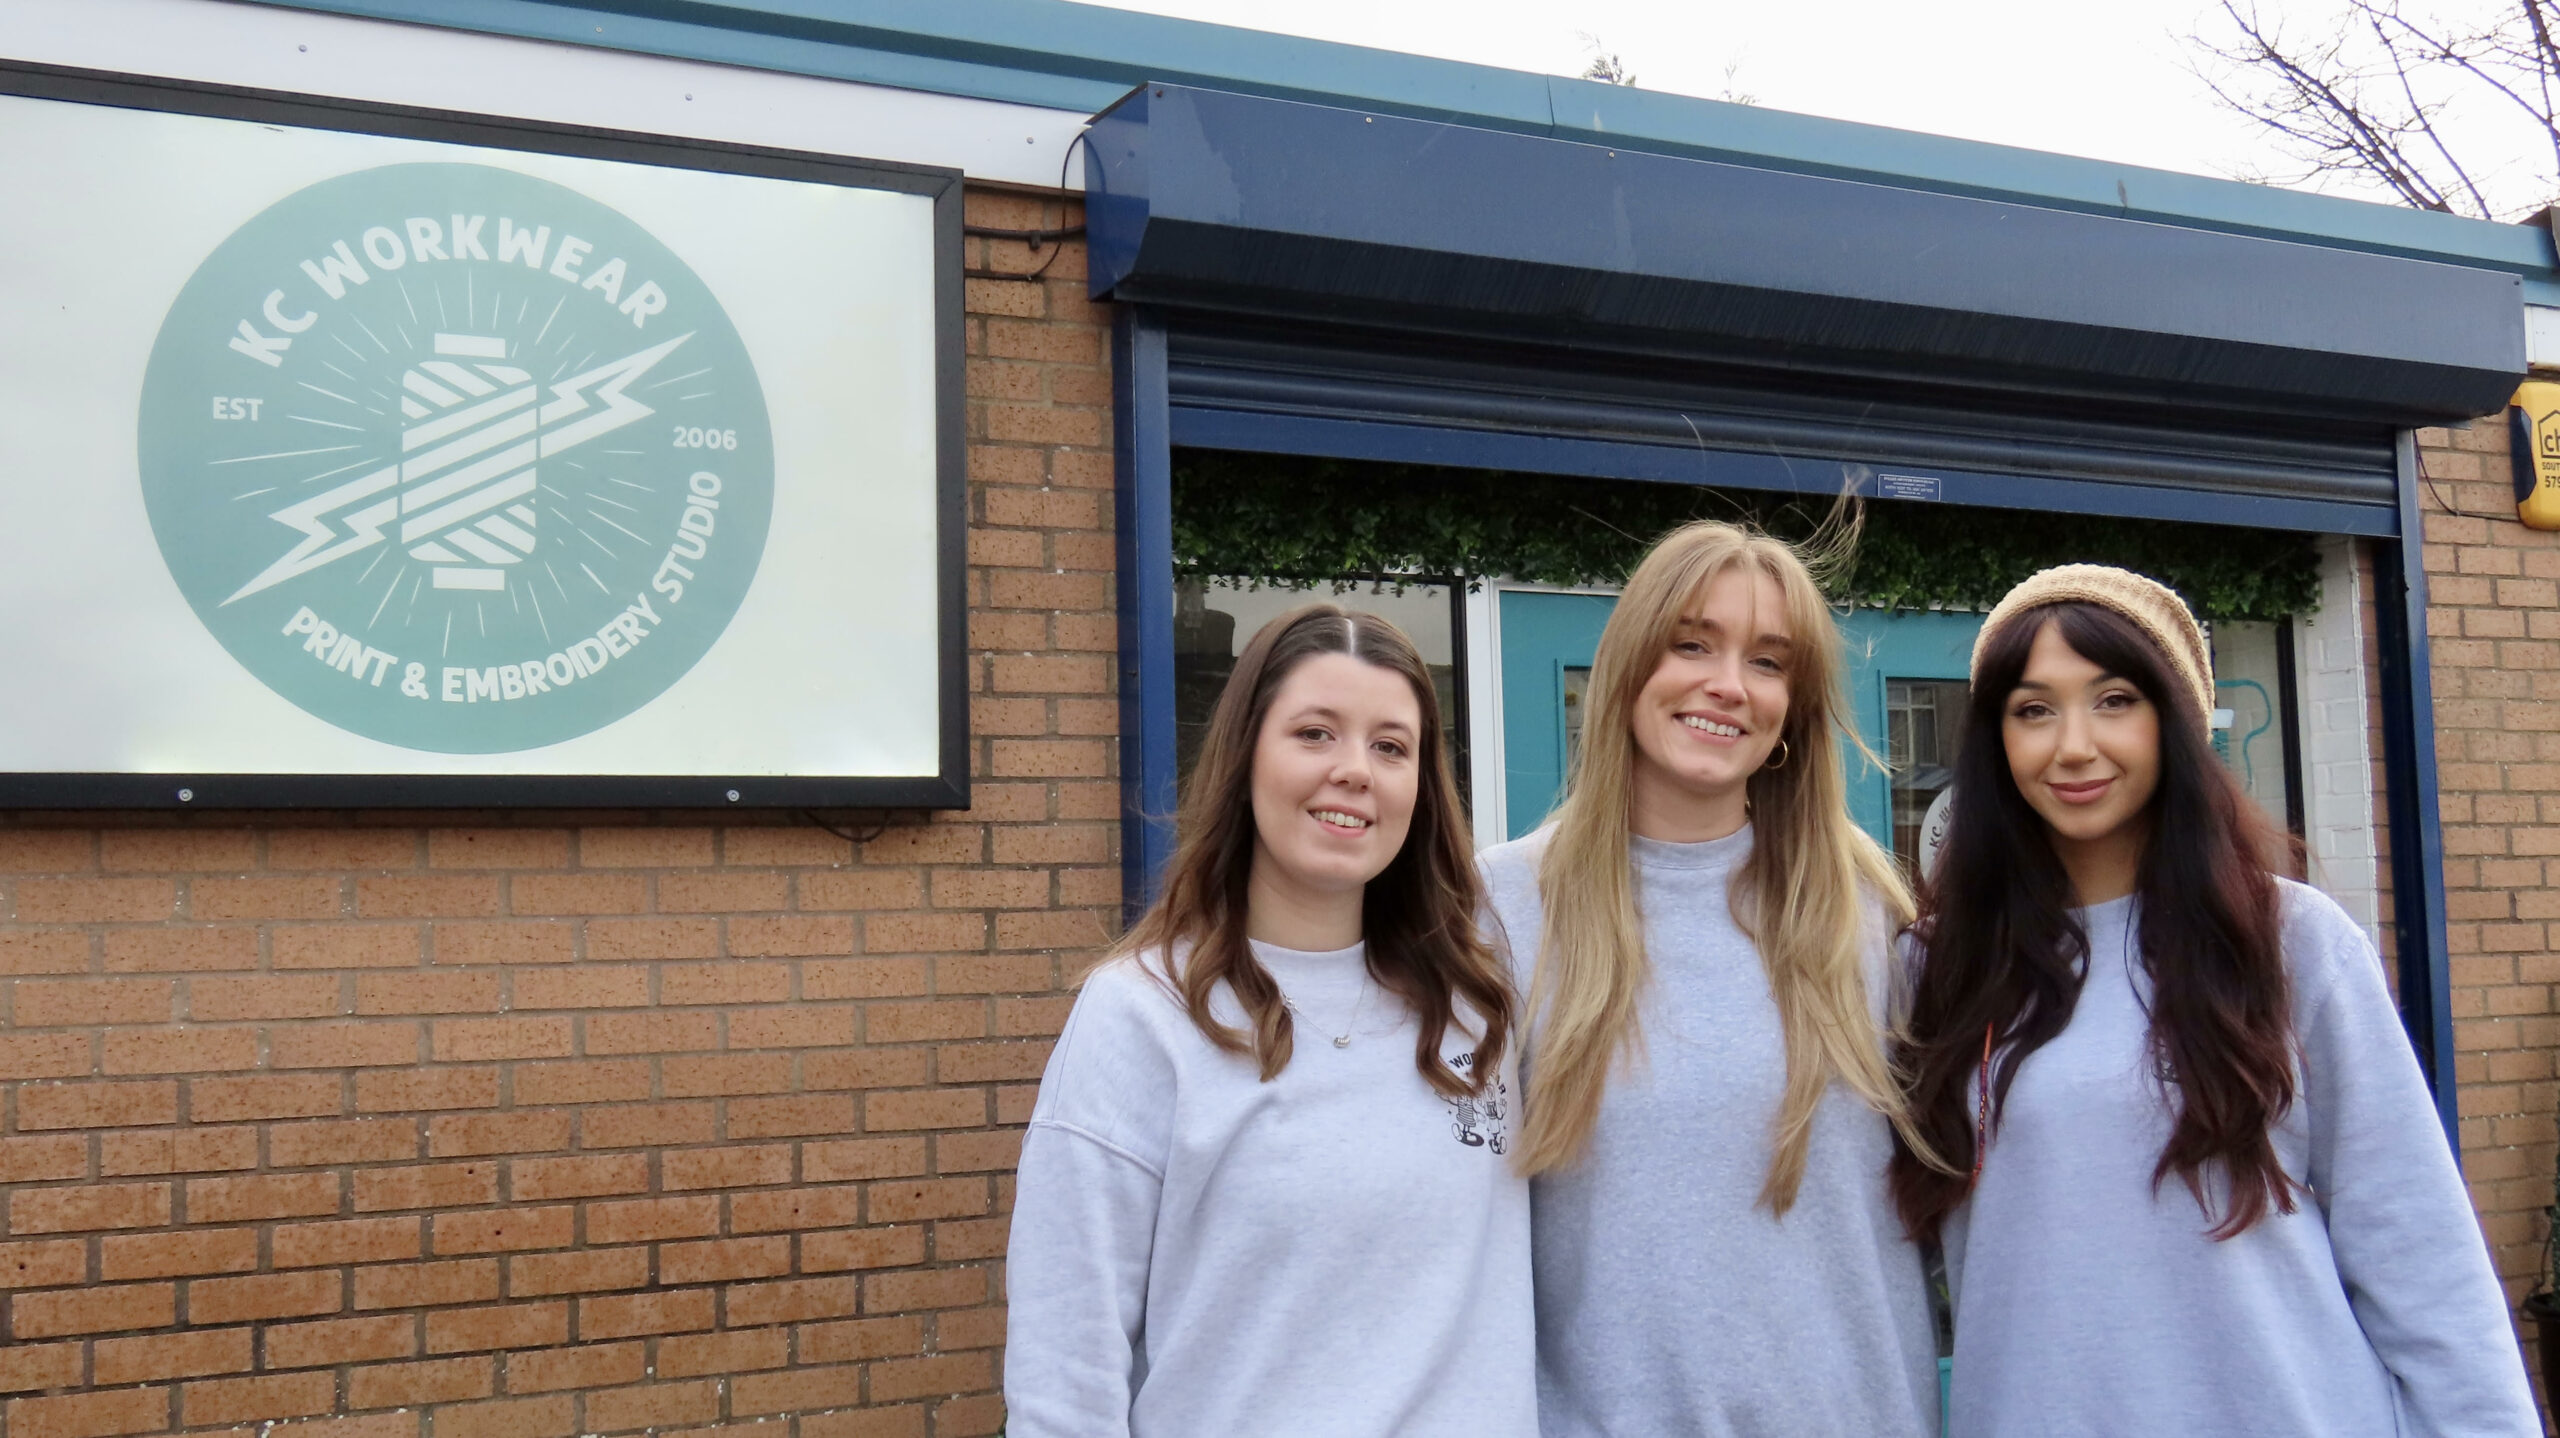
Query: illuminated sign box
(368, 456)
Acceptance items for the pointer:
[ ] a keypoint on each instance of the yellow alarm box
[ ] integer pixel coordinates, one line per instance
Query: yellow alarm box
(2533, 441)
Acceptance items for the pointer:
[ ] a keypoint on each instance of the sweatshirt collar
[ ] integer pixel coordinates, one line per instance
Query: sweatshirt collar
(1721, 853)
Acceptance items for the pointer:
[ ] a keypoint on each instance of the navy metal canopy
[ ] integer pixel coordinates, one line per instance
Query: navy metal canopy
(1237, 202)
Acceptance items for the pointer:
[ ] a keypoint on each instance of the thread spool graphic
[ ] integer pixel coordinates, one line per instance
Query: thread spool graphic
(466, 492)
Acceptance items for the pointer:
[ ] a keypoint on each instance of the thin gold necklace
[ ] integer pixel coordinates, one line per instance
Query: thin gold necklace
(1341, 1040)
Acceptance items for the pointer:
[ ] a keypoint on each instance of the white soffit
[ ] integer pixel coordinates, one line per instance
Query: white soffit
(262, 47)
(2542, 336)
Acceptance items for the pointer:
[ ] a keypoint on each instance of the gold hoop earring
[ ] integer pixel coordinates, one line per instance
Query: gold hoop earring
(1784, 754)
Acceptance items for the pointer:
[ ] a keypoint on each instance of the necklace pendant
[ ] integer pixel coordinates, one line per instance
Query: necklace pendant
(1342, 1042)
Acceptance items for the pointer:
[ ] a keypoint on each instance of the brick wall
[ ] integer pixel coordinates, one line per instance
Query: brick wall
(2494, 626)
(524, 1125)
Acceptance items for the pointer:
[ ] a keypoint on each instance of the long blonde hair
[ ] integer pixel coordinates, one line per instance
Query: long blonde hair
(1806, 896)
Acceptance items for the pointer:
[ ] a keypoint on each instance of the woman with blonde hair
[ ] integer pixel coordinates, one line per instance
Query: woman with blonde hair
(1709, 1110)
(1220, 1229)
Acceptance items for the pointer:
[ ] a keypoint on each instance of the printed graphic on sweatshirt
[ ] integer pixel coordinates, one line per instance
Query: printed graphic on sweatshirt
(455, 458)
(1484, 1119)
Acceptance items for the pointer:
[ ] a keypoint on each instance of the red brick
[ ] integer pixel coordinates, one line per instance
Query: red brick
(908, 1023)
(533, 1180)
(862, 1158)
(443, 1185)
(90, 1415)
(73, 1210)
(277, 898)
(534, 1275)
(795, 1390)
(535, 942)
(977, 1152)
(223, 1401)
(896, 1067)
(611, 986)
(341, 1340)
(514, 1325)
(861, 1248)
(472, 1040)
(636, 1314)
(927, 1377)
(441, 897)
(176, 1255)
(290, 996)
(743, 1351)
(342, 849)
(800, 1208)
(52, 1003)
(193, 949)
(362, 1140)
(727, 1167)
(264, 1295)
(48, 851)
(497, 848)
(426, 1089)
(865, 978)
(115, 1362)
(590, 1365)
(32, 1056)
(724, 1260)
(554, 1417)
(800, 1026)
(265, 1096)
(578, 893)
(751, 1305)
(644, 848)
(915, 1109)
(791, 936)
(442, 992)
(505, 1231)
(926, 1288)
(359, 1240)
(175, 1051)
(186, 1150)
(862, 1338)
(48, 1264)
(655, 1405)
(814, 1114)
(346, 946)
(636, 1125)
(371, 1425)
(922, 933)
(717, 1074)
(435, 1381)
(651, 1033)
(724, 983)
(120, 1309)
(36, 1159)
(44, 951)
(462, 1135)
(95, 901)
(649, 1220)
(249, 1198)
(609, 939)
(583, 1081)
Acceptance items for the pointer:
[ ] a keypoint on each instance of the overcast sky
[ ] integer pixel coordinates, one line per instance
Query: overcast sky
(2103, 80)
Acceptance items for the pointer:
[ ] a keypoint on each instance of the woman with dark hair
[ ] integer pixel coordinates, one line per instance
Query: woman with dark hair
(1214, 1233)
(2198, 1184)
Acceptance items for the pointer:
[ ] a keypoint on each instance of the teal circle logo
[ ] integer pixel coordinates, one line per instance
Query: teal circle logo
(455, 458)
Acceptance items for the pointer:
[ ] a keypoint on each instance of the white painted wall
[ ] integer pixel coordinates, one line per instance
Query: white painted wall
(263, 47)
(2339, 813)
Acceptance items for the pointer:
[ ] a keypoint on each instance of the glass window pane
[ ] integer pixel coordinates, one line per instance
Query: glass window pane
(1923, 719)
(1214, 619)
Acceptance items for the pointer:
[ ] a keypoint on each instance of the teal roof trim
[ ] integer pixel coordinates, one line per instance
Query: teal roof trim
(1068, 56)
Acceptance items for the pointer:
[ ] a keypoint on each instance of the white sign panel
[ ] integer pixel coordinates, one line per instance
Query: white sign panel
(408, 464)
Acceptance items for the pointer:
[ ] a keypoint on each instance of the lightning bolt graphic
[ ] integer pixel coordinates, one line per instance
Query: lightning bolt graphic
(329, 535)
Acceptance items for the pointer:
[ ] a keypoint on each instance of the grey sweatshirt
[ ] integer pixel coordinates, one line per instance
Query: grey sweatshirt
(2089, 1303)
(1340, 1251)
(1669, 1301)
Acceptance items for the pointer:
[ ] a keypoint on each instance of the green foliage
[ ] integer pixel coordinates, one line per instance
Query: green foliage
(1292, 519)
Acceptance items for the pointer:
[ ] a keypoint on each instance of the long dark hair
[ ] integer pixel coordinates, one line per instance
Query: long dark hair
(2001, 947)
(1418, 916)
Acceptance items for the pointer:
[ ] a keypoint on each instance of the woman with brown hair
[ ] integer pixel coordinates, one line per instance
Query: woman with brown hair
(1708, 1106)
(1218, 1231)
(2198, 1185)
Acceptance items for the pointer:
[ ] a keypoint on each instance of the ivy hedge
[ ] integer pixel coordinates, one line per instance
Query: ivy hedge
(1289, 519)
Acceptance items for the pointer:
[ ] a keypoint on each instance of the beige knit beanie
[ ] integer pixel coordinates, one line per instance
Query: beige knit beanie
(2154, 608)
